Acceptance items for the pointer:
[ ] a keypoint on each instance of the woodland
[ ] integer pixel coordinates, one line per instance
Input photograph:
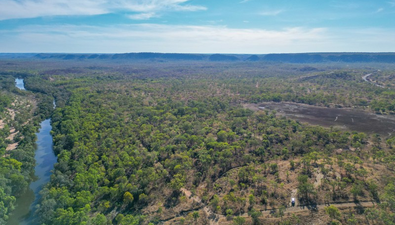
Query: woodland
(171, 142)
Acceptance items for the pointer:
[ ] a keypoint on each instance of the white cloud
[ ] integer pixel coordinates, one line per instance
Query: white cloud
(13, 9)
(379, 10)
(271, 12)
(192, 39)
(215, 22)
(157, 38)
(156, 5)
(244, 1)
(392, 3)
(189, 8)
(142, 16)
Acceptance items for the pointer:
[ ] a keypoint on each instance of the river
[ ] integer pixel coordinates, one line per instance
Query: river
(20, 84)
(45, 160)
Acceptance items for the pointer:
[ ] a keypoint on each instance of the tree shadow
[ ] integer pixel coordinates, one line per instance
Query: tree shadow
(172, 200)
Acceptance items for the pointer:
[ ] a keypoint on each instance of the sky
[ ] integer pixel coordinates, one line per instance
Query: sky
(197, 26)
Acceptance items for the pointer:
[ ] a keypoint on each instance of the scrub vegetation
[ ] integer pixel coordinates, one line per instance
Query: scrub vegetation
(158, 142)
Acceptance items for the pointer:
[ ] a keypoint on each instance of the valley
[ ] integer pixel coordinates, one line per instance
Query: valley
(198, 141)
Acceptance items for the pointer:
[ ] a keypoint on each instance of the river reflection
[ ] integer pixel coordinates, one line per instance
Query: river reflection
(45, 160)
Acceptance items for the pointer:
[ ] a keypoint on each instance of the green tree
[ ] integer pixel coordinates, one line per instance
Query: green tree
(222, 136)
(281, 211)
(356, 189)
(333, 212)
(255, 214)
(100, 219)
(304, 187)
(251, 199)
(195, 215)
(128, 198)
(238, 220)
(177, 182)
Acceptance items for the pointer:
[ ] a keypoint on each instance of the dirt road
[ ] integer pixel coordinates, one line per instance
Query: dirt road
(365, 78)
(298, 209)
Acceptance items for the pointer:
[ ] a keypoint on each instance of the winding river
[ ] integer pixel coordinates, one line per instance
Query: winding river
(45, 160)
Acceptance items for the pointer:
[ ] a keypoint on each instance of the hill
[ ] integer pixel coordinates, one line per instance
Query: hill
(283, 58)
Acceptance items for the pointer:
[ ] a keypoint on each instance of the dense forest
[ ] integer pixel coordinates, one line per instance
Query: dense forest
(173, 143)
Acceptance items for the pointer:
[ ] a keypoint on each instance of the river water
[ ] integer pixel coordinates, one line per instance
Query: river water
(20, 84)
(45, 160)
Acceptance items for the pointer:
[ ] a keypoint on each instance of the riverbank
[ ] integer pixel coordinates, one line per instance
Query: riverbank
(44, 161)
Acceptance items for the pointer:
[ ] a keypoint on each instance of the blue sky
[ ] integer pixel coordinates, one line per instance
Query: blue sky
(197, 26)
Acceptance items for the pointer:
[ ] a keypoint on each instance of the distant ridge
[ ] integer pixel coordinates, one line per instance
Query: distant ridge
(282, 57)
(127, 56)
(221, 57)
(331, 57)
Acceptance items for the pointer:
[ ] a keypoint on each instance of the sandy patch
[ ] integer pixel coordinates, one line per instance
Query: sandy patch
(188, 194)
(12, 135)
(318, 179)
(12, 113)
(11, 147)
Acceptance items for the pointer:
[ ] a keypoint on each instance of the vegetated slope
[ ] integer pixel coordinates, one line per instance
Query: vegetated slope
(286, 58)
(331, 57)
(183, 150)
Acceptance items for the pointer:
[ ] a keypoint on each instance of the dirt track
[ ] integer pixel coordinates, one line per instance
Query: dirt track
(365, 78)
(298, 209)
(216, 219)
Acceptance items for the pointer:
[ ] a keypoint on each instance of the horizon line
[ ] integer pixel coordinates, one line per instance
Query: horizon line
(81, 53)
